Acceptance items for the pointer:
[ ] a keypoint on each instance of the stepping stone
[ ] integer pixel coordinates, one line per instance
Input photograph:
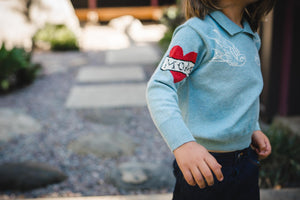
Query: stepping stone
(107, 116)
(107, 96)
(14, 123)
(103, 38)
(28, 175)
(133, 55)
(104, 74)
(103, 145)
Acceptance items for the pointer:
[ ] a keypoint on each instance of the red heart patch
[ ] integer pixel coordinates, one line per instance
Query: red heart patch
(177, 53)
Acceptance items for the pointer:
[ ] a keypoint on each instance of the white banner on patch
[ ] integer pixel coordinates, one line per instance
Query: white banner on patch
(182, 66)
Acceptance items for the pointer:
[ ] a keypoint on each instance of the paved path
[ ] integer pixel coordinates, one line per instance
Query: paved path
(121, 81)
(130, 197)
(285, 194)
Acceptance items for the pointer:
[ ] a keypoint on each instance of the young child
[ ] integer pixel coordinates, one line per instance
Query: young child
(204, 99)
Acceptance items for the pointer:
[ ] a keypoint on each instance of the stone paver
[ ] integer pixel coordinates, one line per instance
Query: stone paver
(15, 123)
(103, 38)
(107, 96)
(137, 31)
(28, 175)
(103, 144)
(109, 73)
(144, 54)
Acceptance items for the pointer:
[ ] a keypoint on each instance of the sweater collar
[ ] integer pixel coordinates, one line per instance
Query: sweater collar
(229, 26)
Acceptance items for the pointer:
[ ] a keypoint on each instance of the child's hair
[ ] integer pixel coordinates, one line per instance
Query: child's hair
(253, 12)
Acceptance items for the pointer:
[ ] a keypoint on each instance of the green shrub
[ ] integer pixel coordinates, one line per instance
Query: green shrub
(172, 18)
(165, 41)
(282, 168)
(16, 69)
(58, 37)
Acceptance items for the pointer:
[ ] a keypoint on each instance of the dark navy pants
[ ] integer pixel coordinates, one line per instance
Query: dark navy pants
(240, 170)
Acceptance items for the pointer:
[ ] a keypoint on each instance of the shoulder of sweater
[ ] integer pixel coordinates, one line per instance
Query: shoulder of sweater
(201, 26)
(192, 28)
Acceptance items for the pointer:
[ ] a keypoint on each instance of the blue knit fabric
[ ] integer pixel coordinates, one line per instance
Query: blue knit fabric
(207, 86)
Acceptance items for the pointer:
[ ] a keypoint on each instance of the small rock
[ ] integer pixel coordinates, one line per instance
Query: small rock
(133, 176)
(136, 176)
(28, 176)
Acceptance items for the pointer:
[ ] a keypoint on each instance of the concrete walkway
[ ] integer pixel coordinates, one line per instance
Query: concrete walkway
(284, 194)
(120, 81)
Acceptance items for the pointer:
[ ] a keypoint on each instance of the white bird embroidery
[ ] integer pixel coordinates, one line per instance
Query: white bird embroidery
(226, 52)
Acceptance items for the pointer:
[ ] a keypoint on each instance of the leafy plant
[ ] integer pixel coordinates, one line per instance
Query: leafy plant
(282, 168)
(165, 41)
(58, 37)
(172, 18)
(16, 69)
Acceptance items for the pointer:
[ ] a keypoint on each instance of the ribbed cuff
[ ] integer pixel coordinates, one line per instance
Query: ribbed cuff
(257, 127)
(176, 133)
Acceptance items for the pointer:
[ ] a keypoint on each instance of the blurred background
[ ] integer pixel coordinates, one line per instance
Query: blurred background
(73, 116)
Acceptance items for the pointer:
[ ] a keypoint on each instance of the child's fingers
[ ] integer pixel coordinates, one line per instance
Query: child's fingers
(215, 167)
(262, 155)
(261, 145)
(269, 147)
(198, 177)
(206, 173)
(264, 148)
(265, 152)
(188, 176)
(197, 164)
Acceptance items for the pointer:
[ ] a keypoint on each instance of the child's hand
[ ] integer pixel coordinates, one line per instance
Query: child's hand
(197, 164)
(261, 144)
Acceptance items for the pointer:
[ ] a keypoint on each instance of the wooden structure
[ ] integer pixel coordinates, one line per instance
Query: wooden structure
(109, 9)
(106, 14)
(281, 68)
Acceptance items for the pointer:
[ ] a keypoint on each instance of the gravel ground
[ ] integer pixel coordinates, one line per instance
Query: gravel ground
(44, 100)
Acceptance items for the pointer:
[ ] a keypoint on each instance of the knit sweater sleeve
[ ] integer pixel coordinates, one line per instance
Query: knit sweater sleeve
(181, 59)
(257, 126)
(258, 46)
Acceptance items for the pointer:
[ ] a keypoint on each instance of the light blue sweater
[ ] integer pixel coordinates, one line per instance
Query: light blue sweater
(207, 86)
